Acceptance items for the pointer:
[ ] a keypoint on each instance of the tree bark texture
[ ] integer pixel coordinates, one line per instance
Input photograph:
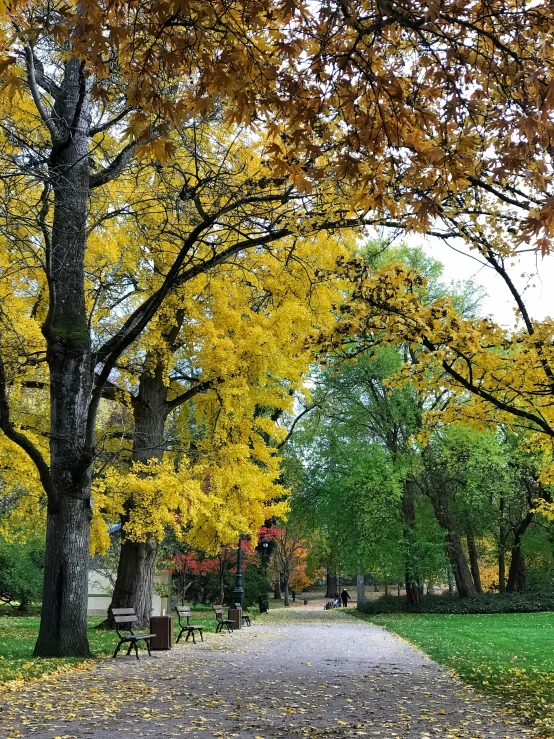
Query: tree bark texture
(454, 549)
(331, 583)
(135, 578)
(277, 588)
(63, 627)
(135, 575)
(517, 574)
(474, 563)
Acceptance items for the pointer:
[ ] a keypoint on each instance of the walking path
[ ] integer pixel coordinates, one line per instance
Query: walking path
(298, 674)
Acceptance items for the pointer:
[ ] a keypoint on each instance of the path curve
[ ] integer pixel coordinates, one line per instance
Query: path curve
(330, 677)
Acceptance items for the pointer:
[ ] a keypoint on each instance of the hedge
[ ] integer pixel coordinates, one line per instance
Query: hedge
(486, 603)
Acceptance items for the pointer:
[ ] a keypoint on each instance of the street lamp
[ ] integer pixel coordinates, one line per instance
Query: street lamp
(238, 590)
(265, 543)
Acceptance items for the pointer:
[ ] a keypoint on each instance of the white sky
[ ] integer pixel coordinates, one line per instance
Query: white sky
(538, 284)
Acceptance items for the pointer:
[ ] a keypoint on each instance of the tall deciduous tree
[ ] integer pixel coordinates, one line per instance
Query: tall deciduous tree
(98, 105)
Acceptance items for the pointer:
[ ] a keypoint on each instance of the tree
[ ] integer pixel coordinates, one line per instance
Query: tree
(288, 556)
(93, 75)
(359, 396)
(202, 392)
(81, 125)
(21, 569)
(485, 368)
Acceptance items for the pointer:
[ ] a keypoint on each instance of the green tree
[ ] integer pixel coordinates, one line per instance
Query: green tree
(21, 570)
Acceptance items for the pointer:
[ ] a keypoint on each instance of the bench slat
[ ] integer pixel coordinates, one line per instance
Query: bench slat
(131, 637)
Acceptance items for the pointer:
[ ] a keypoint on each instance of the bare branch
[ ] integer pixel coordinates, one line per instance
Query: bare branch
(114, 168)
(298, 417)
(47, 83)
(109, 123)
(35, 92)
(202, 387)
(23, 441)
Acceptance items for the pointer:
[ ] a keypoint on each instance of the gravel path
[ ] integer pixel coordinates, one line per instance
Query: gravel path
(320, 675)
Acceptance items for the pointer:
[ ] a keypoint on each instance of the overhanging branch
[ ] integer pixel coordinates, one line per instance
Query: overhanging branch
(22, 441)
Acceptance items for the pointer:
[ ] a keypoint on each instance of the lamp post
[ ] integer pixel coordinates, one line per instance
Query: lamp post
(265, 543)
(238, 590)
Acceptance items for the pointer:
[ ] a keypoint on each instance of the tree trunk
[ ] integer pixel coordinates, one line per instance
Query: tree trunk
(332, 583)
(454, 548)
(286, 588)
(360, 589)
(502, 572)
(135, 573)
(408, 517)
(135, 579)
(474, 563)
(277, 588)
(63, 626)
(517, 574)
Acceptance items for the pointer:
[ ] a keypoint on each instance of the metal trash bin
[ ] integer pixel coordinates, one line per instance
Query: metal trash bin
(235, 615)
(162, 627)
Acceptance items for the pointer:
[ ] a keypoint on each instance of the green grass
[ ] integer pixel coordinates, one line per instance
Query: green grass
(18, 635)
(508, 655)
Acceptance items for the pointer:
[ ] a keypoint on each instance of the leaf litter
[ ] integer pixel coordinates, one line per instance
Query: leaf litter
(293, 675)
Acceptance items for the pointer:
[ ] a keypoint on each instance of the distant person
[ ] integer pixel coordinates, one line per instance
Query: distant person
(345, 598)
(293, 593)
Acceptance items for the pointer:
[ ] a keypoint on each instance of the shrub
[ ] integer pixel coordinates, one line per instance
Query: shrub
(486, 603)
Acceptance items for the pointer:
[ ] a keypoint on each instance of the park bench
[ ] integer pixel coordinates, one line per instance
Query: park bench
(263, 604)
(128, 616)
(222, 622)
(245, 616)
(184, 613)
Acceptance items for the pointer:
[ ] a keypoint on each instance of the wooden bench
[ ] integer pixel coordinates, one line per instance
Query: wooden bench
(128, 616)
(222, 622)
(245, 616)
(184, 612)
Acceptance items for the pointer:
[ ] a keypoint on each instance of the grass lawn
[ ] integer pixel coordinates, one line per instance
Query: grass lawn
(510, 655)
(18, 635)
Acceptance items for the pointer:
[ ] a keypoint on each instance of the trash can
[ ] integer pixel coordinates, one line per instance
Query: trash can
(235, 615)
(162, 627)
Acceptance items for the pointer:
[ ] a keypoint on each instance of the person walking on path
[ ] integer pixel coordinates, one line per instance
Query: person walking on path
(345, 598)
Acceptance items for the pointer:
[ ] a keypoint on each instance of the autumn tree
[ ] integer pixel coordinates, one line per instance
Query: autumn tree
(59, 145)
(75, 126)
(288, 556)
(203, 350)
(102, 87)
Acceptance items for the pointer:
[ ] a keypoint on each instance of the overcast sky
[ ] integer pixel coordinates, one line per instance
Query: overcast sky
(539, 293)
